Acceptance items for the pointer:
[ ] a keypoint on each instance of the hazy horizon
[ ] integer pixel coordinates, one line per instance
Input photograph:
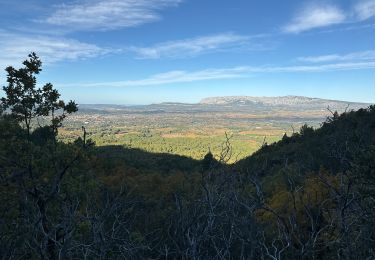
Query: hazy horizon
(228, 96)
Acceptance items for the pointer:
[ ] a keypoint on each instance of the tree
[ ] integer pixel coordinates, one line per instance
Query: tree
(52, 206)
(26, 102)
(208, 162)
(32, 172)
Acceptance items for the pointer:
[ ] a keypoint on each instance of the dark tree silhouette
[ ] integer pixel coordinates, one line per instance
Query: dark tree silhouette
(26, 102)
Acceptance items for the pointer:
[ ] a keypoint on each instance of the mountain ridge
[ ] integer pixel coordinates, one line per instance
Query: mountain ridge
(237, 103)
(223, 100)
(279, 100)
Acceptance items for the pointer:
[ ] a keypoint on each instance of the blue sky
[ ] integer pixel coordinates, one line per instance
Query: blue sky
(150, 51)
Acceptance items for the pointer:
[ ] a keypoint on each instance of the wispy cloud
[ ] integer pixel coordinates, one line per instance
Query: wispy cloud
(315, 16)
(196, 46)
(227, 73)
(107, 14)
(365, 9)
(354, 56)
(173, 77)
(324, 15)
(15, 47)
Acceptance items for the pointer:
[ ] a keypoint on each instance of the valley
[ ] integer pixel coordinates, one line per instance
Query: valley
(194, 129)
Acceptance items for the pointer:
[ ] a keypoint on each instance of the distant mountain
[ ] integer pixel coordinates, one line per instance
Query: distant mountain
(244, 104)
(284, 101)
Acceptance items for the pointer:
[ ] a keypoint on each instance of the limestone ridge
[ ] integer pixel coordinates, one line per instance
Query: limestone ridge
(283, 101)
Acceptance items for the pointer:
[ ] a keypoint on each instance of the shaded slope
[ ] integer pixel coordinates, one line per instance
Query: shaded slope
(142, 161)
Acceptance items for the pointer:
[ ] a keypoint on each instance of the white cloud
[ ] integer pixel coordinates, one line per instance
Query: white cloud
(108, 14)
(173, 77)
(196, 46)
(326, 67)
(227, 73)
(354, 56)
(16, 47)
(365, 9)
(315, 16)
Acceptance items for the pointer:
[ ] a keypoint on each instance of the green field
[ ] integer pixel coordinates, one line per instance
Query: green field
(188, 132)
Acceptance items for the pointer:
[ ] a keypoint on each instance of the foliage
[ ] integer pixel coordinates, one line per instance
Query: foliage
(27, 102)
(308, 196)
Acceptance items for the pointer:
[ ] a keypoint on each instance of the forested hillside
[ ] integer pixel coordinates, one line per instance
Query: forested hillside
(309, 196)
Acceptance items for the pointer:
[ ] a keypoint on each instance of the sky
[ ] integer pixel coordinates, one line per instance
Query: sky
(152, 51)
